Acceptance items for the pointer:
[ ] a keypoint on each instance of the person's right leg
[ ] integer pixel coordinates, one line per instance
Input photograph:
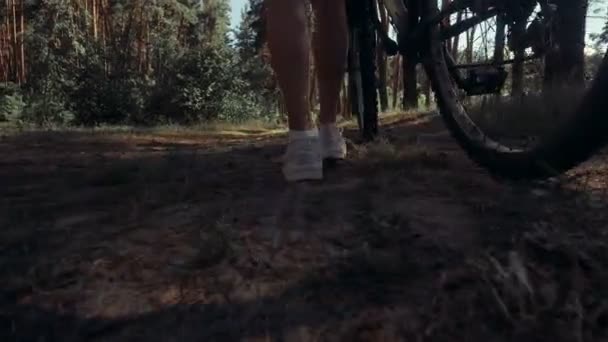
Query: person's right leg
(289, 44)
(331, 49)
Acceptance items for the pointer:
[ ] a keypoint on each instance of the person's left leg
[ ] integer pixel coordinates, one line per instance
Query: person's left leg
(289, 43)
(331, 48)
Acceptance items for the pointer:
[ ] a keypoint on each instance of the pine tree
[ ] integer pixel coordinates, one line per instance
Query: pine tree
(127, 61)
(255, 69)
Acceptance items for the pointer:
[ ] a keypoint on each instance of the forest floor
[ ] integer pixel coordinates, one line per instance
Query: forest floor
(178, 236)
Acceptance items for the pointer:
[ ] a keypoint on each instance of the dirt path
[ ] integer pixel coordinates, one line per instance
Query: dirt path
(171, 237)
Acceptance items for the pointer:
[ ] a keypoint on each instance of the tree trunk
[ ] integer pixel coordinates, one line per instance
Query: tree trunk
(566, 64)
(346, 110)
(3, 60)
(499, 41)
(517, 74)
(312, 77)
(103, 15)
(14, 49)
(446, 23)
(470, 44)
(312, 95)
(410, 80)
(396, 79)
(381, 60)
(410, 84)
(95, 20)
(22, 42)
(9, 39)
(456, 41)
(426, 89)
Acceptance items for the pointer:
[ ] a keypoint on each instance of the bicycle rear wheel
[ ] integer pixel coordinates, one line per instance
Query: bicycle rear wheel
(361, 67)
(566, 146)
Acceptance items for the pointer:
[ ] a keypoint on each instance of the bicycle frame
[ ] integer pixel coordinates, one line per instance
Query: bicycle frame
(399, 15)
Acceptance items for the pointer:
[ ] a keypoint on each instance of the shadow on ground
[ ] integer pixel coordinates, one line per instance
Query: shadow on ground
(129, 237)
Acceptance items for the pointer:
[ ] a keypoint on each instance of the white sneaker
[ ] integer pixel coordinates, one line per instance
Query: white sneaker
(302, 160)
(333, 145)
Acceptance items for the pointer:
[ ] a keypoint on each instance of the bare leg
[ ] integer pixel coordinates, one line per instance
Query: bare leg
(289, 44)
(331, 48)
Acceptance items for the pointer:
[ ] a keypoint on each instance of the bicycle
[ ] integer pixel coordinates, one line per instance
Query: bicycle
(422, 34)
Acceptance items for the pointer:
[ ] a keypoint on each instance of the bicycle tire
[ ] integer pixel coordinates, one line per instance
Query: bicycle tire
(362, 67)
(580, 137)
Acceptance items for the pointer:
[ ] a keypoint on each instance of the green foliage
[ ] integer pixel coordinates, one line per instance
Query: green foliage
(592, 64)
(97, 99)
(165, 61)
(60, 43)
(202, 81)
(257, 75)
(11, 102)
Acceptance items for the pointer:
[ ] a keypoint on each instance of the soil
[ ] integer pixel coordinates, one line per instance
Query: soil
(196, 237)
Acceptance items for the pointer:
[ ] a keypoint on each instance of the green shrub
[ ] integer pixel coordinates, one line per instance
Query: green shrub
(11, 102)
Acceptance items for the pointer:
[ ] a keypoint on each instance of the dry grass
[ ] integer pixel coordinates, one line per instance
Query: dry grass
(244, 129)
(386, 118)
(533, 115)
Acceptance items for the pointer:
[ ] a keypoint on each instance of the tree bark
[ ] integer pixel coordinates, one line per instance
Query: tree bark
(499, 41)
(410, 79)
(9, 39)
(566, 64)
(16, 44)
(456, 40)
(22, 42)
(470, 43)
(346, 110)
(381, 60)
(396, 80)
(426, 90)
(95, 20)
(446, 23)
(517, 74)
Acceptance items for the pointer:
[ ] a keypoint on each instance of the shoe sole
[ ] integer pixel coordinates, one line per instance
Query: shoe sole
(304, 175)
(333, 153)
